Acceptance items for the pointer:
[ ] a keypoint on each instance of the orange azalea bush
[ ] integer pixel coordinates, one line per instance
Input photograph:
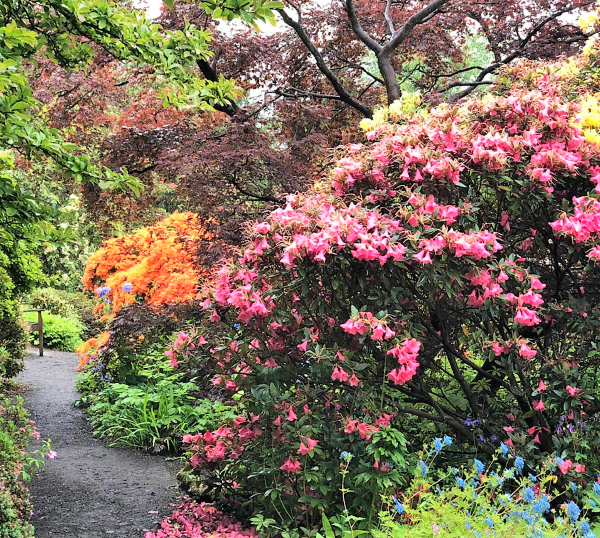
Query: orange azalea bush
(158, 263)
(90, 349)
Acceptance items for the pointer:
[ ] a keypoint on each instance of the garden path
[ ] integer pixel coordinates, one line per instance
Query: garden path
(89, 490)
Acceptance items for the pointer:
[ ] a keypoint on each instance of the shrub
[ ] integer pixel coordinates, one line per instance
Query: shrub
(60, 333)
(13, 338)
(137, 399)
(444, 278)
(501, 498)
(52, 301)
(158, 264)
(16, 429)
(68, 304)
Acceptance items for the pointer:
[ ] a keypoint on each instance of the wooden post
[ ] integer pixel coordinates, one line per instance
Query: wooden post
(41, 332)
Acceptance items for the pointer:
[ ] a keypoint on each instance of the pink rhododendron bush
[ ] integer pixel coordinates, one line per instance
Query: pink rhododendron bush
(442, 280)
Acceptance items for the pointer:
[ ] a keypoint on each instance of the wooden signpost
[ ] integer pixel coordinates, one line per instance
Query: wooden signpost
(39, 328)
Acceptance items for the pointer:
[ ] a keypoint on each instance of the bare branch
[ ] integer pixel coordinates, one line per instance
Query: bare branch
(389, 20)
(515, 54)
(295, 93)
(471, 84)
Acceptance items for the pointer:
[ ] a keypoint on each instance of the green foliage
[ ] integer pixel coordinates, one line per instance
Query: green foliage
(13, 338)
(15, 464)
(140, 401)
(75, 305)
(60, 333)
(51, 300)
(156, 415)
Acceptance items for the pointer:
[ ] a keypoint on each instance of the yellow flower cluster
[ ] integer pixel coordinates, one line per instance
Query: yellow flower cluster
(587, 21)
(590, 119)
(407, 105)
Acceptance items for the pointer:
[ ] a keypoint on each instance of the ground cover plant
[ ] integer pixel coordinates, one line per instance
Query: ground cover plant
(151, 406)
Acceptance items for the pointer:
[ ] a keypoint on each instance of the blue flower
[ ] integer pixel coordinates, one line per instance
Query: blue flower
(467, 524)
(399, 507)
(447, 440)
(528, 495)
(424, 468)
(573, 486)
(532, 478)
(596, 488)
(127, 287)
(503, 449)
(461, 483)
(438, 445)
(542, 506)
(573, 510)
(519, 464)
(346, 456)
(479, 466)
(103, 291)
(488, 521)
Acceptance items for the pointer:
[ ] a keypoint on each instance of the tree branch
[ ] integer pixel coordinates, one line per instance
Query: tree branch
(324, 68)
(515, 54)
(400, 36)
(296, 93)
(389, 20)
(210, 74)
(359, 30)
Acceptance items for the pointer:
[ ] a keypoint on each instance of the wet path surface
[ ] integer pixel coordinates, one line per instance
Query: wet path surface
(89, 490)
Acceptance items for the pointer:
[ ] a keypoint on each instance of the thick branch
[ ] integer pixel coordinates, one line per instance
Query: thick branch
(359, 30)
(385, 54)
(400, 36)
(324, 68)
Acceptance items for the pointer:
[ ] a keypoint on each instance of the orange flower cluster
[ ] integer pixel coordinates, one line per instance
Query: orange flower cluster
(91, 348)
(160, 262)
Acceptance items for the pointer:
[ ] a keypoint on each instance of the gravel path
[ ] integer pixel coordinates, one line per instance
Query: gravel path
(89, 490)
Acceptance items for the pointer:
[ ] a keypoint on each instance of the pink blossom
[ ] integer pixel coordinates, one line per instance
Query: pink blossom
(339, 374)
(573, 391)
(538, 405)
(526, 352)
(291, 467)
(527, 317)
(307, 446)
(541, 386)
(565, 466)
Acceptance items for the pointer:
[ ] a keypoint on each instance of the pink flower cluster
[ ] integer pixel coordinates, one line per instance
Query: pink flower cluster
(191, 520)
(406, 354)
(212, 448)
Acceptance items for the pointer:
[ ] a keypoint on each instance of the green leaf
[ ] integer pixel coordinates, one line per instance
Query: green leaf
(327, 527)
